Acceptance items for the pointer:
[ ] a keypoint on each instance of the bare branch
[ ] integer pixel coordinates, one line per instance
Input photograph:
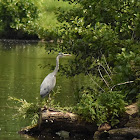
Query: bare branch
(107, 64)
(103, 77)
(128, 82)
(106, 72)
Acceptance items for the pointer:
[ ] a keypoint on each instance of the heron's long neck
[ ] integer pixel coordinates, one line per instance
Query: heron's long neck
(57, 66)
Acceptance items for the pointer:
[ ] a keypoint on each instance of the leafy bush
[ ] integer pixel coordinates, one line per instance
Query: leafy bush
(26, 110)
(104, 28)
(104, 101)
(122, 16)
(30, 19)
(31, 111)
(103, 107)
(99, 27)
(17, 15)
(126, 68)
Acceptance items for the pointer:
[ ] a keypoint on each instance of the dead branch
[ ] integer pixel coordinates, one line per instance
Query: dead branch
(103, 77)
(106, 72)
(128, 82)
(107, 64)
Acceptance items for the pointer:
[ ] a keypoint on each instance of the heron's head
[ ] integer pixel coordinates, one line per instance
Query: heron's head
(62, 54)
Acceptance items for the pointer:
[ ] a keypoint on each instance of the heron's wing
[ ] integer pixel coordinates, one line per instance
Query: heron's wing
(47, 84)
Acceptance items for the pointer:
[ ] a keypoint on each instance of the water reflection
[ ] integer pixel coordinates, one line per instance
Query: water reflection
(21, 76)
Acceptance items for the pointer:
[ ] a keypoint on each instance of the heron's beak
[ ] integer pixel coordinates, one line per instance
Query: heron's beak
(66, 54)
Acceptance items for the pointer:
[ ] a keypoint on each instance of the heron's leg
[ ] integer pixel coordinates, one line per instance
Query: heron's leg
(49, 101)
(49, 97)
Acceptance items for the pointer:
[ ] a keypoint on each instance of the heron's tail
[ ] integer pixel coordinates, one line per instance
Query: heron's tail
(43, 94)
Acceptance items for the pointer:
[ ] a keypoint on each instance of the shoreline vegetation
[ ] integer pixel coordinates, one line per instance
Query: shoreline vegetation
(54, 122)
(36, 20)
(103, 36)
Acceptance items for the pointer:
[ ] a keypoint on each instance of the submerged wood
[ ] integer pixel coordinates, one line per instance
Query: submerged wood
(52, 121)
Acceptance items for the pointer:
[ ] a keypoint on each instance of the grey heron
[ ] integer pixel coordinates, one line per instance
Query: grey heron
(50, 80)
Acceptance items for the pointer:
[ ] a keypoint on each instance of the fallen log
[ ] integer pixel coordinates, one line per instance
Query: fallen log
(51, 121)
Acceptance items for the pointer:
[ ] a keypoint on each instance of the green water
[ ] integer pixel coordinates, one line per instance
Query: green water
(21, 76)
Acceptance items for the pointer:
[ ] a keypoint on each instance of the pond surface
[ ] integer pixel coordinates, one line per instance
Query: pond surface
(21, 75)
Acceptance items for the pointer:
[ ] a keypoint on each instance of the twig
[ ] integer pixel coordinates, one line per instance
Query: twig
(128, 82)
(106, 72)
(103, 77)
(107, 64)
(95, 82)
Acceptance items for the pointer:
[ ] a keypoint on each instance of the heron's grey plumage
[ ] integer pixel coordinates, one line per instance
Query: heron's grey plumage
(50, 80)
(47, 85)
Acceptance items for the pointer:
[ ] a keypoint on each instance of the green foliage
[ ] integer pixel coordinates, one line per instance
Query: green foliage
(47, 21)
(26, 110)
(123, 65)
(109, 89)
(99, 27)
(127, 69)
(103, 107)
(123, 16)
(17, 15)
(30, 19)
(89, 41)
(104, 28)
(101, 100)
